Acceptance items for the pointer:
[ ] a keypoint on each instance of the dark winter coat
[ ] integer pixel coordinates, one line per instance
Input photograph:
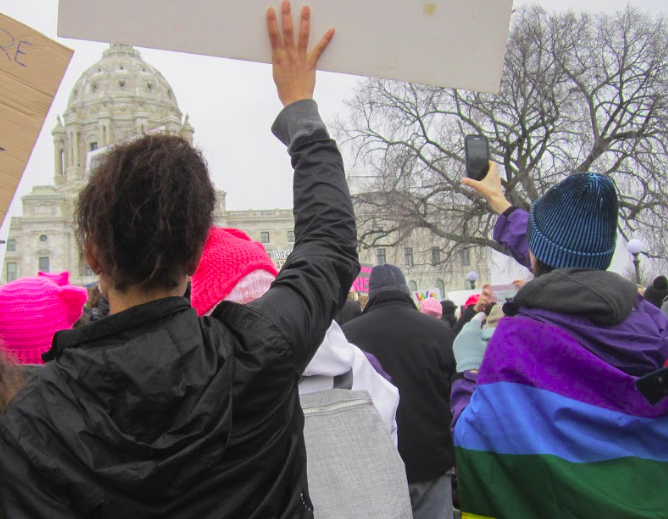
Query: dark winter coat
(416, 350)
(156, 413)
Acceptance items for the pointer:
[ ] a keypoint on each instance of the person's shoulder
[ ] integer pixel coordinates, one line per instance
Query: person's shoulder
(359, 323)
(429, 322)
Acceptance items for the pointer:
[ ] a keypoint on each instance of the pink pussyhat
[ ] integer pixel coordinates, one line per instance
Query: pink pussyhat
(33, 309)
(431, 307)
(233, 267)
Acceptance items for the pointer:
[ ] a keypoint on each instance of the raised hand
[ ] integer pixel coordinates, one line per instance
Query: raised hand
(294, 66)
(490, 189)
(485, 299)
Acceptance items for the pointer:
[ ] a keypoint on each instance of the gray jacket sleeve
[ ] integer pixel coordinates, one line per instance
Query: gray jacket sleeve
(315, 280)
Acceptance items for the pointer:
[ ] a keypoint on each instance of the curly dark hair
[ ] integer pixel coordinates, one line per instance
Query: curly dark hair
(147, 208)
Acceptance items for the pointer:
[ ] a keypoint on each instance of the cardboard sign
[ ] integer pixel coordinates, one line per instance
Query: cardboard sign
(421, 295)
(31, 69)
(449, 43)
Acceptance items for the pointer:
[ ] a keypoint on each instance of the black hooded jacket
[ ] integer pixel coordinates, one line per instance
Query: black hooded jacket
(156, 413)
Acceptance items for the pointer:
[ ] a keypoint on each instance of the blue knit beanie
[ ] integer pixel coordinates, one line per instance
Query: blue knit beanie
(574, 224)
(387, 278)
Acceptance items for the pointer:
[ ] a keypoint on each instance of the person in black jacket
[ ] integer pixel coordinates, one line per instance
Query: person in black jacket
(416, 350)
(153, 412)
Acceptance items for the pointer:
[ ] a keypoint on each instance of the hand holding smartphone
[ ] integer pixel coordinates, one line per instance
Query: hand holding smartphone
(476, 149)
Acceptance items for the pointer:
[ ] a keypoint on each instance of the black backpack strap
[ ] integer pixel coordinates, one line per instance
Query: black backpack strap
(344, 381)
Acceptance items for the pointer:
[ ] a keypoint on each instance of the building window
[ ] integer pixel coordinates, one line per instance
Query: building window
(408, 256)
(412, 286)
(291, 236)
(441, 286)
(43, 238)
(44, 264)
(11, 245)
(93, 146)
(264, 237)
(435, 255)
(466, 257)
(12, 273)
(380, 257)
(121, 84)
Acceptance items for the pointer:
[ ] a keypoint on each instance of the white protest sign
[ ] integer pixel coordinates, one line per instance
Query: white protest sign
(503, 293)
(449, 43)
(459, 297)
(31, 69)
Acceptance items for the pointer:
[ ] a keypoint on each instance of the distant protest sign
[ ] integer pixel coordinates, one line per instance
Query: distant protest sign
(31, 69)
(361, 283)
(421, 295)
(448, 43)
(503, 293)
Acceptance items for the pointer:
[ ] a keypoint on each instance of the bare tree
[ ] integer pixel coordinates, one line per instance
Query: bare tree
(579, 93)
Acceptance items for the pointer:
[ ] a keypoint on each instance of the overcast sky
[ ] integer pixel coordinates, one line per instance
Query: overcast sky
(231, 106)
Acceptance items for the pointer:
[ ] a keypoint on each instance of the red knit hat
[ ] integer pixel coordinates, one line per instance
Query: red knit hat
(33, 309)
(472, 301)
(229, 256)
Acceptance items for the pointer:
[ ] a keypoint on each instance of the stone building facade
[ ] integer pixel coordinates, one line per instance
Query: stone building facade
(119, 97)
(423, 259)
(122, 96)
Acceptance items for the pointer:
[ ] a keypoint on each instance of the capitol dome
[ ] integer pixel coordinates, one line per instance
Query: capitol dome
(122, 75)
(119, 97)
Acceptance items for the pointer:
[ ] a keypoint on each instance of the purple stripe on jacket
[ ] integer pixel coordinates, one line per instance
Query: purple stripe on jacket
(529, 352)
(640, 341)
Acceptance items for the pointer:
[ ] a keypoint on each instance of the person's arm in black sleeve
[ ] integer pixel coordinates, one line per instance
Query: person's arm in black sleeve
(468, 314)
(314, 282)
(24, 494)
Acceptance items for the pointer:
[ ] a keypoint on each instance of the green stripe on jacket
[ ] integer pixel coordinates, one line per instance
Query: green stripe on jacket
(505, 486)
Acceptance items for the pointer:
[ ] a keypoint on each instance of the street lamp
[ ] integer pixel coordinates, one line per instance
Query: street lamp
(472, 277)
(635, 247)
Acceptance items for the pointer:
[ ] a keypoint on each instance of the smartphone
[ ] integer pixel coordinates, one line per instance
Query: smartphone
(476, 149)
(654, 387)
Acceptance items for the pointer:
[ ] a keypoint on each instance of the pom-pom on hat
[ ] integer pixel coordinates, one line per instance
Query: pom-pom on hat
(229, 256)
(575, 223)
(431, 307)
(657, 291)
(387, 278)
(33, 309)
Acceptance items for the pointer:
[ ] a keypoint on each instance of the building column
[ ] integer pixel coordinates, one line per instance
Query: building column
(57, 158)
(75, 156)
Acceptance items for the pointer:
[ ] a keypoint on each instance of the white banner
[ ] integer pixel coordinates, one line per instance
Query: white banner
(448, 43)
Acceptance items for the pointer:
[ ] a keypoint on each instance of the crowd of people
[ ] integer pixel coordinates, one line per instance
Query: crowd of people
(198, 381)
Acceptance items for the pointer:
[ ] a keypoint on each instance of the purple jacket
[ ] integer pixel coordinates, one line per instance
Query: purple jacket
(606, 315)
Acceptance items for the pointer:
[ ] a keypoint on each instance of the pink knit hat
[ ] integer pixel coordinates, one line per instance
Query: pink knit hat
(33, 309)
(431, 306)
(229, 257)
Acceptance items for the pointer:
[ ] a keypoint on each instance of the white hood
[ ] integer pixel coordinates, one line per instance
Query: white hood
(337, 356)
